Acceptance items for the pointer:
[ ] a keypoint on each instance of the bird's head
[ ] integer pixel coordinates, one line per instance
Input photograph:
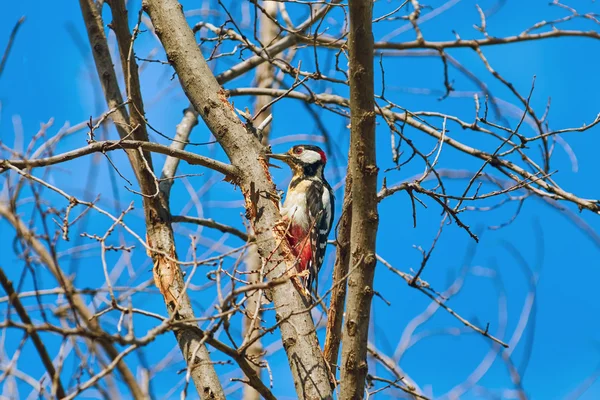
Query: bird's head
(303, 159)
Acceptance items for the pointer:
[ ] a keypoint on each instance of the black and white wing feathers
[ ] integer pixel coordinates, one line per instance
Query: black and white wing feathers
(320, 209)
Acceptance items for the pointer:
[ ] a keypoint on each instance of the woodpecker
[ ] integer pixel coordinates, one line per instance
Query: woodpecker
(308, 209)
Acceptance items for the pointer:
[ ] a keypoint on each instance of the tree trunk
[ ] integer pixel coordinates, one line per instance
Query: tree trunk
(365, 219)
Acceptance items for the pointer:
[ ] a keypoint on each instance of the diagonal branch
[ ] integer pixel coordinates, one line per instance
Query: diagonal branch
(247, 154)
(209, 223)
(182, 134)
(11, 39)
(112, 145)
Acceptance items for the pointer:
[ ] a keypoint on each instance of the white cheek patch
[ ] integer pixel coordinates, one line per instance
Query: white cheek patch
(310, 157)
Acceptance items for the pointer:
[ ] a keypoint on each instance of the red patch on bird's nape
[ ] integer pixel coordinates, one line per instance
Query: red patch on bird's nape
(323, 156)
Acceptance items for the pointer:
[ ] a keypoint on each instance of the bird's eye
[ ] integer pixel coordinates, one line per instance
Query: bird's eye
(298, 150)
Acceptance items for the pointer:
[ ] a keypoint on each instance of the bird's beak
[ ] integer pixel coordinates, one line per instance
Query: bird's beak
(281, 156)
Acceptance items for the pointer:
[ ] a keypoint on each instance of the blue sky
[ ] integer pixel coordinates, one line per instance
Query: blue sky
(49, 75)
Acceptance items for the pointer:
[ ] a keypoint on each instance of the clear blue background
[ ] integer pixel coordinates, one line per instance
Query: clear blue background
(50, 75)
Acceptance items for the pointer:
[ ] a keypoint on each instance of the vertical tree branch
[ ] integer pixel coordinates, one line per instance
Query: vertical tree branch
(159, 233)
(363, 167)
(108, 80)
(335, 313)
(247, 154)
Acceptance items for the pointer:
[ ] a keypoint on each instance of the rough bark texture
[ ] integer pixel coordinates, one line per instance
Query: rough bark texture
(363, 167)
(245, 152)
(264, 79)
(335, 314)
(159, 233)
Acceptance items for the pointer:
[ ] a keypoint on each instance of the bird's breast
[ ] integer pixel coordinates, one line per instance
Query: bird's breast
(295, 208)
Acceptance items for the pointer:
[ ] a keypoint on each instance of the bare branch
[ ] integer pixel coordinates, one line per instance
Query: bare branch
(212, 224)
(11, 39)
(112, 145)
(461, 43)
(183, 132)
(509, 168)
(92, 324)
(35, 337)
